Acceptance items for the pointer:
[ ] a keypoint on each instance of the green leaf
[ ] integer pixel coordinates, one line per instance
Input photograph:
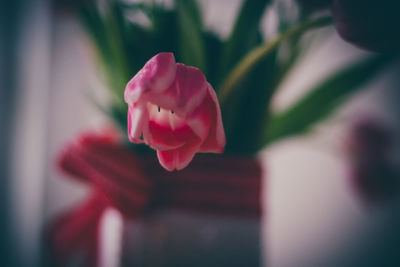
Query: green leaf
(244, 34)
(144, 42)
(115, 26)
(93, 23)
(244, 111)
(190, 34)
(323, 99)
(252, 58)
(107, 33)
(165, 31)
(213, 46)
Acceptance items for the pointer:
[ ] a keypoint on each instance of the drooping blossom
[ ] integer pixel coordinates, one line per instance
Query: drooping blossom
(369, 24)
(174, 110)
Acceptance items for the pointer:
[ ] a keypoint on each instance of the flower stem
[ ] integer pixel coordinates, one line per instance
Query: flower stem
(258, 53)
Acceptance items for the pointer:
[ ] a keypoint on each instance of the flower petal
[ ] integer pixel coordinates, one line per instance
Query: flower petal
(167, 100)
(180, 157)
(191, 88)
(156, 76)
(137, 123)
(168, 158)
(200, 119)
(162, 137)
(187, 152)
(216, 140)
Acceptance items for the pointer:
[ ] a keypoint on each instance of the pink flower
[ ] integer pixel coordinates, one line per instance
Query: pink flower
(174, 110)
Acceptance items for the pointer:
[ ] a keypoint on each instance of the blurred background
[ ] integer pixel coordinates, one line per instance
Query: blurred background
(316, 213)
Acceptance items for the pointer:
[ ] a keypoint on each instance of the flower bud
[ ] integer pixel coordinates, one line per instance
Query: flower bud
(174, 110)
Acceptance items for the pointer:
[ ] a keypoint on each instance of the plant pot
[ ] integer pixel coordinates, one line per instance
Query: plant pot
(208, 214)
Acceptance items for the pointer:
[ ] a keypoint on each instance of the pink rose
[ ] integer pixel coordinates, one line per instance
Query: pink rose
(174, 110)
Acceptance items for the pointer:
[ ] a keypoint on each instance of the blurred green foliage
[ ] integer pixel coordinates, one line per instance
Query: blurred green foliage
(124, 46)
(324, 98)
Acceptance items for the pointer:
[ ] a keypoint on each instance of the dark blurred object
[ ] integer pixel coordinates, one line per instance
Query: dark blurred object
(66, 6)
(376, 181)
(371, 139)
(369, 24)
(314, 4)
(11, 21)
(373, 174)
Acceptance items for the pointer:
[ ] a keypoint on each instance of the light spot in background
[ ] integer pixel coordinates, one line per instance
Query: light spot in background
(219, 16)
(110, 238)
